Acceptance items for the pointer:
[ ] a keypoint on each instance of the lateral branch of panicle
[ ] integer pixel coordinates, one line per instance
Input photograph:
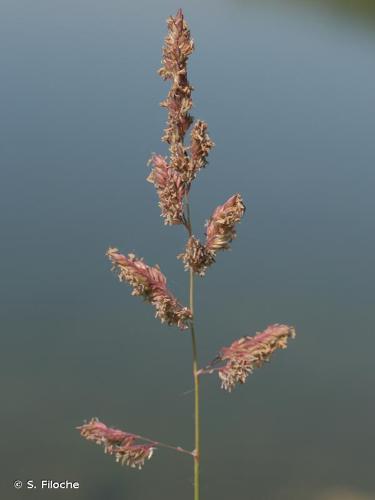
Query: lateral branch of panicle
(151, 284)
(128, 449)
(236, 362)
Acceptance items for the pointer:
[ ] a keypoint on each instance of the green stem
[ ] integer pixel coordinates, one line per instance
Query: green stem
(196, 394)
(195, 373)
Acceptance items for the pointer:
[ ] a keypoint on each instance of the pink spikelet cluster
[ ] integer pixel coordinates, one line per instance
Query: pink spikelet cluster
(178, 46)
(118, 443)
(196, 256)
(201, 145)
(244, 355)
(220, 232)
(150, 283)
(172, 178)
(170, 188)
(220, 229)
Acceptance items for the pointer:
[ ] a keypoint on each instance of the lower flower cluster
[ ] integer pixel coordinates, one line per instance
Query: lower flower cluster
(118, 443)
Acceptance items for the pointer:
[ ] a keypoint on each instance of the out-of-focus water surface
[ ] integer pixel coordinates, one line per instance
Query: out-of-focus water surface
(288, 92)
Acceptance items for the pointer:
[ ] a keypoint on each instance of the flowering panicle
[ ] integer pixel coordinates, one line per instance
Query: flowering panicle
(220, 231)
(170, 188)
(151, 284)
(118, 443)
(245, 354)
(172, 177)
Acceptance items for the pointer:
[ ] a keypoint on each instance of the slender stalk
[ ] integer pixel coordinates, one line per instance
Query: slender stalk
(196, 396)
(197, 449)
(164, 445)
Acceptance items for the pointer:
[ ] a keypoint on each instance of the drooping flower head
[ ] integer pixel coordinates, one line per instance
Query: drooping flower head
(247, 353)
(121, 444)
(150, 283)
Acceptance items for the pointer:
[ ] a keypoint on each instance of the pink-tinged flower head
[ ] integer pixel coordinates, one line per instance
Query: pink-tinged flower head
(180, 161)
(150, 283)
(196, 256)
(220, 229)
(170, 188)
(247, 353)
(201, 145)
(186, 160)
(118, 443)
(189, 160)
(178, 46)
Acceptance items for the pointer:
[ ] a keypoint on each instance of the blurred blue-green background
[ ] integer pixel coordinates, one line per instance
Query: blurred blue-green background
(287, 89)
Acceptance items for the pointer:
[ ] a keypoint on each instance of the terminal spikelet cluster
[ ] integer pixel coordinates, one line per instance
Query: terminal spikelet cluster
(178, 46)
(173, 177)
